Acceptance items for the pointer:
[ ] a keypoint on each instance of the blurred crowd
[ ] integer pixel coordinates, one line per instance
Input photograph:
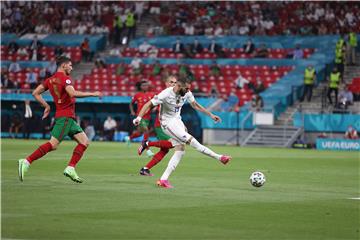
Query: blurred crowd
(259, 18)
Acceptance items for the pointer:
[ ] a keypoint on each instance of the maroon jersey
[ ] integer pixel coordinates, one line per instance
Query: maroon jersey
(56, 84)
(141, 98)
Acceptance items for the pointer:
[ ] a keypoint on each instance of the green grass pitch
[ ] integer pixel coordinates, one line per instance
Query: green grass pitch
(306, 195)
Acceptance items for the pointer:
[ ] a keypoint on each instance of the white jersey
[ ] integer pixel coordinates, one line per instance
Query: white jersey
(170, 103)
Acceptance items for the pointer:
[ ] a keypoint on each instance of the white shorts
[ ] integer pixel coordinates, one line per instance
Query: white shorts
(176, 129)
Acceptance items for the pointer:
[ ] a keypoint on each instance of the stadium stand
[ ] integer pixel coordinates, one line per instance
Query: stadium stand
(275, 27)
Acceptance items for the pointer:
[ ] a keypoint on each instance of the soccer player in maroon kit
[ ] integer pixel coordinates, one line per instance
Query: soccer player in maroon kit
(140, 98)
(64, 94)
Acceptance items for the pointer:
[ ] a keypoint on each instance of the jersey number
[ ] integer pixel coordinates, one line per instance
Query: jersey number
(53, 82)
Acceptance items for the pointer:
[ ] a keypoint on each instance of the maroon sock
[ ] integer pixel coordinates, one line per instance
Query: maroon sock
(135, 135)
(157, 157)
(41, 151)
(77, 154)
(146, 136)
(161, 144)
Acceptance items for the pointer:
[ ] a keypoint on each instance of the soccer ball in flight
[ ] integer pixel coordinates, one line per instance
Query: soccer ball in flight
(257, 179)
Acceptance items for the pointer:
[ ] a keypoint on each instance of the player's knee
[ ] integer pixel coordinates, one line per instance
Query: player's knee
(54, 145)
(180, 147)
(86, 142)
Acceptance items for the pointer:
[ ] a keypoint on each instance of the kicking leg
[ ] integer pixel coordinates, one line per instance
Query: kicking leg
(207, 151)
(41, 151)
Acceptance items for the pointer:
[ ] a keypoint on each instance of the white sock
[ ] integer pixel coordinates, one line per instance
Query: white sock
(27, 162)
(201, 148)
(174, 161)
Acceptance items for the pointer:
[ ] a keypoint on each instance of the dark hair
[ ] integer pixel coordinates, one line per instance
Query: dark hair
(183, 81)
(61, 60)
(138, 84)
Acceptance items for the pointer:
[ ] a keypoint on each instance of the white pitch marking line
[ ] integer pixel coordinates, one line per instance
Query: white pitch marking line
(355, 198)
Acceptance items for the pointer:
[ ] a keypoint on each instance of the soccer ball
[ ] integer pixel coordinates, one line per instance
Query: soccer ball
(257, 179)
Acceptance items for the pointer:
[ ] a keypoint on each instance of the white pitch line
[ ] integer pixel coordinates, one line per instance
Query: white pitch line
(355, 198)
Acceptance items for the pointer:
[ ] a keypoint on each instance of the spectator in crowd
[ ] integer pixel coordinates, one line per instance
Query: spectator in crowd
(115, 52)
(218, 31)
(334, 81)
(249, 47)
(144, 47)
(185, 72)
(178, 46)
(22, 52)
(189, 29)
(154, 7)
(35, 44)
(340, 51)
(5, 81)
(85, 50)
(14, 67)
(157, 69)
(99, 61)
(31, 79)
(109, 128)
(195, 89)
(261, 52)
(351, 133)
(258, 87)
(257, 103)
(42, 74)
(214, 92)
(28, 118)
(89, 130)
(118, 26)
(153, 52)
(346, 98)
(130, 24)
(297, 53)
(16, 123)
(120, 69)
(352, 47)
(216, 48)
(58, 51)
(240, 81)
(51, 69)
(13, 47)
(136, 65)
(215, 69)
(196, 47)
(309, 80)
(139, 10)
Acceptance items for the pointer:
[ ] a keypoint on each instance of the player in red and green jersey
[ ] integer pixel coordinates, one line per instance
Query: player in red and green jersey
(140, 98)
(64, 94)
(163, 142)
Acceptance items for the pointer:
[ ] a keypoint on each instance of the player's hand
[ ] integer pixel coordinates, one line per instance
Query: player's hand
(46, 112)
(133, 113)
(136, 121)
(215, 118)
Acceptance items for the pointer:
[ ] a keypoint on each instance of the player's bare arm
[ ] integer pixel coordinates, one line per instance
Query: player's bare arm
(142, 112)
(132, 111)
(200, 108)
(78, 94)
(37, 95)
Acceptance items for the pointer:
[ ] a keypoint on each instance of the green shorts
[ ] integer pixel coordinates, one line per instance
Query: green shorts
(144, 123)
(160, 134)
(65, 126)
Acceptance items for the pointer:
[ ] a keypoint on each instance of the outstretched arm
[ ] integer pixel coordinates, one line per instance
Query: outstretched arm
(37, 95)
(200, 108)
(142, 112)
(78, 94)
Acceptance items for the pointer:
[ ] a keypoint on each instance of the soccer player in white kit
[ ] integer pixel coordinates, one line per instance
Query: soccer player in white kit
(171, 101)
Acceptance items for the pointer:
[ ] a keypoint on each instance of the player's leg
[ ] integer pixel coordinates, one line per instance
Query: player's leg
(83, 142)
(145, 171)
(24, 164)
(176, 128)
(174, 161)
(144, 128)
(60, 129)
